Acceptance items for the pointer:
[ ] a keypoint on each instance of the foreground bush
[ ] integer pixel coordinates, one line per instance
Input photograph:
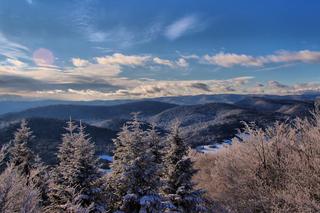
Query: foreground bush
(271, 170)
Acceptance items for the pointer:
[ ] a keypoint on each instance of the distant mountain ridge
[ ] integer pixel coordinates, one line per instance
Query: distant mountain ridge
(285, 106)
(90, 113)
(16, 103)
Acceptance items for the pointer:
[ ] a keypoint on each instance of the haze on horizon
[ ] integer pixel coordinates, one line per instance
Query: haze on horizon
(95, 49)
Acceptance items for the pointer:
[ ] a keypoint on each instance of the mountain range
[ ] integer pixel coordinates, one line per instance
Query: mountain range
(17, 103)
(201, 123)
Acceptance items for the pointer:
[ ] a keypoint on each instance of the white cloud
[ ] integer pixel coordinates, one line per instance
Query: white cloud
(180, 63)
(181, 26)
(78, 62)
(178, 88)
(232, 59)
(29, 1)
(121, 59)
(160, 61)
(306, 56)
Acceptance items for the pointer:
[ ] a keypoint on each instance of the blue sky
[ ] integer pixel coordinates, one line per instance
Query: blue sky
(99, 49)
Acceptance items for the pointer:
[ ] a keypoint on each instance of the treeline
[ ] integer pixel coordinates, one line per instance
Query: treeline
(148, 174)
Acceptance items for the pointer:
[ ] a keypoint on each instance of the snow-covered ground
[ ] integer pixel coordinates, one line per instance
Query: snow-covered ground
(106, 157)
(109, 159)
(212, 148)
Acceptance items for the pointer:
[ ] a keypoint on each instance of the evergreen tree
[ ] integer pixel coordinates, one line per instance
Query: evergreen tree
(39, 178)
(4, 151)
(59, 191)
(26, 163)
(77, 171)
(134, 182)
(21, 156)
(15, 194)
(156, 145)
(178, 185)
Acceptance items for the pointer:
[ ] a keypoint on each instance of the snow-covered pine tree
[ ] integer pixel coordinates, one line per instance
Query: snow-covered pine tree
(156, 145)
(15, 194)
(39, 178)
(178, 187)
(4, 151)
(26, 163)
(77, 170)
(21, 156)
(59, 193)
(86, 176)
(134, 182)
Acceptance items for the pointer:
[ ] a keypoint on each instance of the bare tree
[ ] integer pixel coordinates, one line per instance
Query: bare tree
(271, 170)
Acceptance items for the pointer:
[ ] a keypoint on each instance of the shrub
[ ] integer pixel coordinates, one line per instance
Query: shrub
(270, 170)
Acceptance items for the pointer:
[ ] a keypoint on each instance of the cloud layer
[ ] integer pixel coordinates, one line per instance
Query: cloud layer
(232, 59)
(101, 78)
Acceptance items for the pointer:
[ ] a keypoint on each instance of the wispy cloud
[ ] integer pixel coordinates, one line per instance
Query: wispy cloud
(276, 87)
(181, 26)
(118, 36)
(306, 56)
(232, 59)
(179, 63)
(97, 36)
(16, 62)
(11, 49)
(192, 56)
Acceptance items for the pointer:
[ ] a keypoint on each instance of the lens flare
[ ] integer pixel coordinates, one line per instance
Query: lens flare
(43, 57)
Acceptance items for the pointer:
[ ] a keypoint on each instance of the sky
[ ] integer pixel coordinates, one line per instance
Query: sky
(121, 49)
